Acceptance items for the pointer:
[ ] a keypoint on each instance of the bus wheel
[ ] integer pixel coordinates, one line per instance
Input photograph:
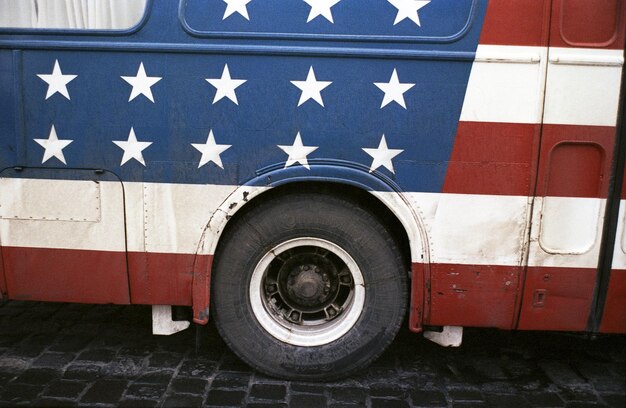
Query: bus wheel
(308, 286)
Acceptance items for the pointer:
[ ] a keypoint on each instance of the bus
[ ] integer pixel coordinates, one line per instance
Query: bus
(312, 175)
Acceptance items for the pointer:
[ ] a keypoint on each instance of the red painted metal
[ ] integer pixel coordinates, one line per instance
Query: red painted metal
(201, 288)
(162, 279)
(614, 316)
(575, 161)
(492, 158)
(60, 275)
(588, 24)
(557, 299)
(417, 299)
(473, 295)
(517, 22)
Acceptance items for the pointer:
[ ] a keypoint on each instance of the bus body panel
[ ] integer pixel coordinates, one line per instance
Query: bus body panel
(496, 152)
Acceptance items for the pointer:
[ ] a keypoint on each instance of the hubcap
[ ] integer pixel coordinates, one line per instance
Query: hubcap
(307, 292)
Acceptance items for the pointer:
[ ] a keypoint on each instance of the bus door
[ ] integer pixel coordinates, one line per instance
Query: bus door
(585, 60)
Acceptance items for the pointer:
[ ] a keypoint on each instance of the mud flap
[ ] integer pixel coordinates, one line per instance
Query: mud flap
(162, 323)
(450, 336)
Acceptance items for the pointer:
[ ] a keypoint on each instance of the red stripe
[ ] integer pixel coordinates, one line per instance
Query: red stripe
(588, 24)
(65, 275)
(614, 318)
(575, 161)
(575, 23)
(557, 299)
(62, 275)
(473, 295)
(498, 159)
(492, 158)
(516, 22)
(463, 295)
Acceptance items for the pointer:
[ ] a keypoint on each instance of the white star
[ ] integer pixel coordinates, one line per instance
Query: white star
(321, 8)
(225, 86)
(54, 147)
(210, 151)
(141, 84)
(382, 156)
(408, 9)
(298, 152)
(57, 82)
(394, 90)
(132, 148)
(236, 6)
(311, 88)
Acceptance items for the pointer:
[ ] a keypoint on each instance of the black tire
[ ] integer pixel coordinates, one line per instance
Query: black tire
(311, 276)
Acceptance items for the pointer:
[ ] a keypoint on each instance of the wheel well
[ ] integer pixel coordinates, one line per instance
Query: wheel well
(347, 192)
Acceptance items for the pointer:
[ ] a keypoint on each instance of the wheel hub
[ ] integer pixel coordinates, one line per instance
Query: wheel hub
(308, 286)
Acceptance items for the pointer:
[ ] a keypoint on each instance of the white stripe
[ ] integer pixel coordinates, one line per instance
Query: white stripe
(619, 254)
(506, 85)
(453, 228)
(583, 86)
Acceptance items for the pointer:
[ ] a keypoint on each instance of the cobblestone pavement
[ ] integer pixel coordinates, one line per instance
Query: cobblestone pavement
(85, 355)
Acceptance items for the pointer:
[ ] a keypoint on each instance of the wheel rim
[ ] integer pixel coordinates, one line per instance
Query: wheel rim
(307, 292)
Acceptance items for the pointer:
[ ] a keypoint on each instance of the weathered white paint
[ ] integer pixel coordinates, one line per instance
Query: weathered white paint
(162, 322)
(506, 85)
(583, 86)
(443, 228)
(102, 230)
(34, 199)
(570, 225)
(539, 256)
(449, 336)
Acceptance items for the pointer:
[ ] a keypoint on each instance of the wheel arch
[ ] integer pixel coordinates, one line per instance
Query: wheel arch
(376, 192)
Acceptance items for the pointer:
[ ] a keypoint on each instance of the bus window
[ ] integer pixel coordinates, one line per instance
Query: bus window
(71, 14)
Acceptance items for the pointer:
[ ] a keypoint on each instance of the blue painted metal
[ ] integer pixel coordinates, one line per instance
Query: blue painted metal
(437, 57)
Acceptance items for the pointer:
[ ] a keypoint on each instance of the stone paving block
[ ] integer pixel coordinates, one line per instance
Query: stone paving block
(55, 360)
(349, 395)
(53, 402)
(197, 368)
(145, 391)
(307, 401)
(465, 395)
(267, 405)
(389, 403)
(189, 386)
(428, 399)
(138, 403)
(224, 398)
(65, 389)
(231, 380)
(105, 392)
(614, 400)
(561, 373)
(96, 355)
(307, 388)
(544, 399)
(271, 392)
(182, 401)
(70, 343)
(15, 393)
(504, 400)
(583, 393)
(37, 376)
(165, 360)
(155, 377)
(82, 372)
(388, 391)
